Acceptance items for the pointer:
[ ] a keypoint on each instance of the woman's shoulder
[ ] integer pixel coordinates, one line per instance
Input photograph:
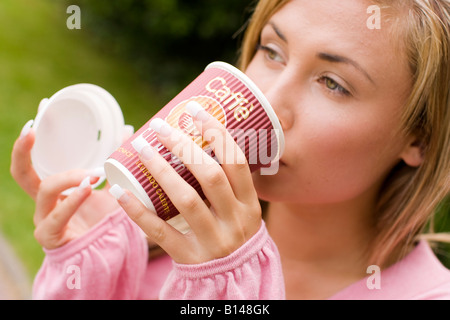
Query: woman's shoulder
(430, 277)
(418, 276)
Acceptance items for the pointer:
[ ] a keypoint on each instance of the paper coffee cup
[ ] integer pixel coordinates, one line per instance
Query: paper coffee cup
(232, 98)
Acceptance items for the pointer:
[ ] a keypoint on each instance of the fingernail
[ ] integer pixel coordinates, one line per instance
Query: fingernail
(26, 128)
(161, 127)
(142, 147)
(85, 183)
(128, 131)
(42, 104)
(196, 111)
(139, 143)
(117, 192)
(97, 172)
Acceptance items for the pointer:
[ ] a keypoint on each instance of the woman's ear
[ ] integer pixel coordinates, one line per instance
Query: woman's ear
(413, 153)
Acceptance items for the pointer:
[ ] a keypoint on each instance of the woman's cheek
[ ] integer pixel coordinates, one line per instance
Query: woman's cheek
(336, 162)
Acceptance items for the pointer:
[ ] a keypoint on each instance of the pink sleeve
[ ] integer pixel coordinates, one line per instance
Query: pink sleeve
(251, 272)
(108, 262)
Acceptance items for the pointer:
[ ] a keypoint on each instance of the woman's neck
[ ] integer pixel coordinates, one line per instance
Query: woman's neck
(323, 248)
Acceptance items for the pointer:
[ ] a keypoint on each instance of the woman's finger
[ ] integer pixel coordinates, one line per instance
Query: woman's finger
(21, 167)
(229, 154)
(62, 213)
(183, 196)
(154, 227)
(205, 169)
(51, 188)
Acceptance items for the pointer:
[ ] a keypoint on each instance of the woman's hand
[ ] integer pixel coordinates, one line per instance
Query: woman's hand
(54, 217)
(58, 218)
(219, 226)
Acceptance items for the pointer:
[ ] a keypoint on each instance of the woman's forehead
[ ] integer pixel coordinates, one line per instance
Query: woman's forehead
(344, 27)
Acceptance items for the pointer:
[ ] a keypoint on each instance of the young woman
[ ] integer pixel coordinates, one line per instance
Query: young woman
(366, 114)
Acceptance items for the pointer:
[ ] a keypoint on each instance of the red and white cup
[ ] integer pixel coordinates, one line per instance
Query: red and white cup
(232, 98)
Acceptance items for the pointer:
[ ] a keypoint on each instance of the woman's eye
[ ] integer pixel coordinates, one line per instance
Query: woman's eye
(271, 54)
(333, 86)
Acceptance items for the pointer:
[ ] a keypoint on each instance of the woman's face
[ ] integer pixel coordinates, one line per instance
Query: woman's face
(338, 88)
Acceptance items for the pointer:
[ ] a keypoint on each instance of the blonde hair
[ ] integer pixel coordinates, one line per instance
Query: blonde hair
(410, 196)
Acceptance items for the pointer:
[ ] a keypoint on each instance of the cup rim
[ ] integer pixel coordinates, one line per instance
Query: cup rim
(261, 98)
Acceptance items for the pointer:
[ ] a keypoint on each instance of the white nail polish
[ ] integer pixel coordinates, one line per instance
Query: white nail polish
(26, 128)
(85, 183)
(97, 172)
(161, 127)
(43, 104)
(197, 111)
(117, 192)
(194, 108)
(128, 131)
(139, 143)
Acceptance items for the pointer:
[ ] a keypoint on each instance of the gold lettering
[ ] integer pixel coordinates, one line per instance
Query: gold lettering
(233, 100)
(127, 153)
(239, 99)
(155, 185)
(242, 113)
(163, 200)
(220, 79)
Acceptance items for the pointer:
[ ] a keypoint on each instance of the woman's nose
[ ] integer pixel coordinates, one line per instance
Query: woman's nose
(280, 98)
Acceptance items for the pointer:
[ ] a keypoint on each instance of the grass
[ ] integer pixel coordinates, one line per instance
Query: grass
(39, 55)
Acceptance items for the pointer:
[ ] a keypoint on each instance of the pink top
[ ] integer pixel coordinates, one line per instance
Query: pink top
(111, 262)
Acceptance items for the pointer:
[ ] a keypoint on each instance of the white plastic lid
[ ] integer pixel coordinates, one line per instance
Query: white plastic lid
(77, 128)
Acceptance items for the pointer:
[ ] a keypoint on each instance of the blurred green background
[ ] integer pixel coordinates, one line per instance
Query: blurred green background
(142, 51)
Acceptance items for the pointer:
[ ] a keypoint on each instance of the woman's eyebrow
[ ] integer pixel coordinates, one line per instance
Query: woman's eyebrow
(277, 31)
(326, 56)
(340, 59)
